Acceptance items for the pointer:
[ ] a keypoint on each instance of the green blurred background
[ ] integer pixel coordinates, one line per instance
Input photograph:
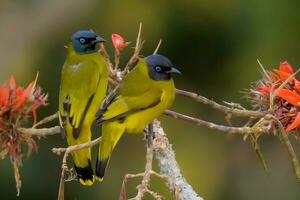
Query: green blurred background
(214, 43)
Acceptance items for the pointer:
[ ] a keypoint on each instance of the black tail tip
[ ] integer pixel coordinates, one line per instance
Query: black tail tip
(85, 175)
(100, 168)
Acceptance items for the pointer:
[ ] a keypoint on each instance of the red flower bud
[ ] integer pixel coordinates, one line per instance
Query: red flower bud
(118, 41)
(286, 67)
(12, 82)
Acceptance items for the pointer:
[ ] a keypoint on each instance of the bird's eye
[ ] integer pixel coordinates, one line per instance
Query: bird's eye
(157, 68)
(82, 40)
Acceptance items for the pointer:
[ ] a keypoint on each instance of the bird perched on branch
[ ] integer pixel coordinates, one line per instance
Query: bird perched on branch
(144, 94)
(83, 86)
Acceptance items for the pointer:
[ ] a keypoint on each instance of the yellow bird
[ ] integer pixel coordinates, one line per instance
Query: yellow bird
(83, 86)
(144, 94)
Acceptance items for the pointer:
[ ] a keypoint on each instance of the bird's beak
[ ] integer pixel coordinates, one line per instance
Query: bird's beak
(174, 70)
(98, 40)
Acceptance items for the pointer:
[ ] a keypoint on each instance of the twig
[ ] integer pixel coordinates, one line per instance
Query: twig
(123, 195)
(257, 150)
(227, 129)
(70, 149)
(286, 142)
(214, 105)
(41, 131)
(61, 190)
(17, 176)
(157, 47)
(104, 53)
(117, 59)
(46, 120)
(263, 69)
(138, 46)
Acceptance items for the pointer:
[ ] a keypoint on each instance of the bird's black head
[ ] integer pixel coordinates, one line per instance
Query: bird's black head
(160, 68)
(85, 42)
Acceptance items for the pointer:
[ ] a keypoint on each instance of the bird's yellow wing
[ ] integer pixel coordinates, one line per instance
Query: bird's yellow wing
(78, 85)
(123, 106)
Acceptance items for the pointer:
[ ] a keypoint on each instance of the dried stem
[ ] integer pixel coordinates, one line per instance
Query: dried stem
(104, 53)
(138, 46)
(286, 142)
(263, 69)
(157, 47)
(17, 176)
(117, 59)
(61, 191)
(46, 120)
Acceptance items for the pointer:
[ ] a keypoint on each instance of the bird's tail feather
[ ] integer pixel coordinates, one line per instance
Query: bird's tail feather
(111, 134)
(100, 168)
(85, 174)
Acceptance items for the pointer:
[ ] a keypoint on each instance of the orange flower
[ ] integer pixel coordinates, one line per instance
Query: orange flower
(4, 95)
(290, 96)
(21, 96)
(285, 70)
(287, 102)
(294, 124)
(19, 101)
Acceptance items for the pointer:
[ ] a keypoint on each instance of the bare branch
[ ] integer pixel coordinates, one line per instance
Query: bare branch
(227, 129)
(70, 149)
(219, 107)
(41, 131)
(168, 165)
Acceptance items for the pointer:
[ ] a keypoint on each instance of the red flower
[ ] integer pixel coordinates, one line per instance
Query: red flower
(285, 70)
(294, 124)
(4, 95)
(118, 41)
(288, 98)
(18, 102)
(22, 95)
